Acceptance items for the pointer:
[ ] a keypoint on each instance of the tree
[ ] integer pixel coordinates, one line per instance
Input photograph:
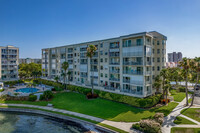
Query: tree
(185, 64)
(166, 87)
(164, 74)
(65, 66)
(195, 66)
(69, 74)
(157, 83)
(90, 53)
(56, 79)
(31, 70)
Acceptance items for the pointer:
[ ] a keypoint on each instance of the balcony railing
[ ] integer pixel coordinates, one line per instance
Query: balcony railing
(147, 72)
(133, 72)
(133, 82)
(148, 63)
(114, 63)
(127, 54)
(116, 46)
(132, 44)
(132, 63)
(94, 62)
(131, 91)
(95, 77)
(114, 54)
(94, 70)
(114, 79)
(84, 76)
(114, 71)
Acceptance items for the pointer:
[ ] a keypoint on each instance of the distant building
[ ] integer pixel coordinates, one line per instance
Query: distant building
(174, 57)
(171, 64)
(9, 61)
(29, 60)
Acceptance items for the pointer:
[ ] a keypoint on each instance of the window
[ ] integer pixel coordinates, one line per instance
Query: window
(106, 75)
(153, 59)
(106, 53)
(158, 59)
(153, 76)
(158, 51)
(101, 74)
(163, 51)
(101, 45)
(101, 67)
(158, 43)
(101, 52)
(158, 68)
(163, 42)
(75, 54)
(101, 59)
(106, 59)
(153, 68)
(139, 42)
(153, 51)
(127, 43)
(163, 59)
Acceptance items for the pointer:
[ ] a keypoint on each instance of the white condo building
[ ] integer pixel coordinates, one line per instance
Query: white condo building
(125, 65)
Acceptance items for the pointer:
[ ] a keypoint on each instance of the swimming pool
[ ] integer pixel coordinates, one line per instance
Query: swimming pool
(27, 90)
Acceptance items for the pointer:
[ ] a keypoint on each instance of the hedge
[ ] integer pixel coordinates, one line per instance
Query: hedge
(133, 101)
(13, 82)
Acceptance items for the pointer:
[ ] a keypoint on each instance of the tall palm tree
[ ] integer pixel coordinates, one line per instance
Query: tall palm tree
(185, 64)
(166, 89)
(196, 68)
(90, 53)
(157, 83)
(65, 66)
(164, 74)
(69, 73)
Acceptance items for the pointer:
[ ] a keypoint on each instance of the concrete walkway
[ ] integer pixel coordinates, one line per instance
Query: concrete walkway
(169, 120)
(121, 125)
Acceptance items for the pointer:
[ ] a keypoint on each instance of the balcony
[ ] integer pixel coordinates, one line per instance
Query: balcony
(132, 63)
(114, 71)
(94, 70)
(109, 88)
(148, 63)
(84, 76)
(95, 77)
(114, 79)
(114, 55)
(133, 72)
(132, 82)
(83, 63)
(114, 63)
(128, 54)
(94, 63)
(148, 73)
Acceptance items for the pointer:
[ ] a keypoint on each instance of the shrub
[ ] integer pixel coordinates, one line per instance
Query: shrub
(32, 98)
(41, 97)
(48, 95)
(150, 126)
(181, 89)
(159, 117)
(90, 95)
(1, 90)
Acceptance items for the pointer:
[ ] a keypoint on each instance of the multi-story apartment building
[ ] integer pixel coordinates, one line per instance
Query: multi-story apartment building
(9, 63)
(125, 65)
(29, 60)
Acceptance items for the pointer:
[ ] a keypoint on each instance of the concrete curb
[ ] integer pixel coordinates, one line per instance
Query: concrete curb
(58, 116)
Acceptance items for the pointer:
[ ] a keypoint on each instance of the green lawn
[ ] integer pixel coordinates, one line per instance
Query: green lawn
(193, 113)
(178, 96)
(180, 120)
(185, 130)
(101, 108)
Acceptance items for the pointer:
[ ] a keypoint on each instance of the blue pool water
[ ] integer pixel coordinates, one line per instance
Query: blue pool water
(27, 90)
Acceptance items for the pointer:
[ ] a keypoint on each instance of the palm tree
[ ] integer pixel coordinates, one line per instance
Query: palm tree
(65, 66)
(157, 83)
(196, 68)
(164, 74)
(185, 64)
(56, 79)
(166, 89)
(69, 73)
(90, 53)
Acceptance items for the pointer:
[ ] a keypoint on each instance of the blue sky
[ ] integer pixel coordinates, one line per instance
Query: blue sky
(35, 24)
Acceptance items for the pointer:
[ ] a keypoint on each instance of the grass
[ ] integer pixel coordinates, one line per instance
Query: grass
(84, 119)
(101, 108)
(178, 96)
(180, 120)
(193, 113)
(185, 130)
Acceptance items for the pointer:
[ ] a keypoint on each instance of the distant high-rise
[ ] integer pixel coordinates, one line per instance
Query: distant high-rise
(29, 60)
(174, 57)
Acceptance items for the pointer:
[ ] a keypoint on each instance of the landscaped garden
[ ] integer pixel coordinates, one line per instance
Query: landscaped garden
(178, 96)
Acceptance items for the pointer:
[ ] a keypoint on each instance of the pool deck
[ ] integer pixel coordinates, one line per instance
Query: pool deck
(11, 91)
